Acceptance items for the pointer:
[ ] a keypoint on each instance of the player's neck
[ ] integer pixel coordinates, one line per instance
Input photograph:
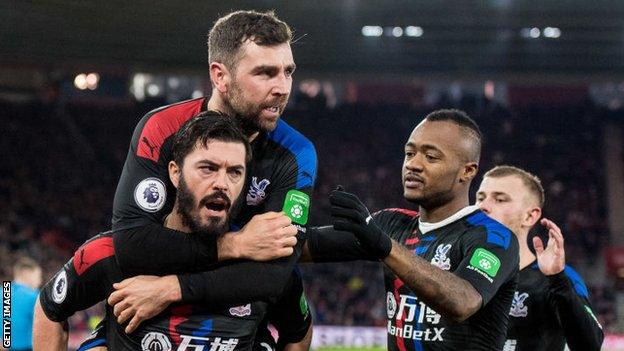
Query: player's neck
(526, 256)
(174, 221)
(442, 212)
(217, 103)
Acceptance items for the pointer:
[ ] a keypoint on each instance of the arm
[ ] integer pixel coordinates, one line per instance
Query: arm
(581, 328)
(266, 237)
(567, 293)
(303, 345)
(325, 244)
(456, 295)
(47, 334)
(448, 294)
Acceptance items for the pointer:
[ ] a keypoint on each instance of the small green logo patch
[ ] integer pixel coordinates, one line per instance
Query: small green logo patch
(303, 303)
(297, 206)
(485, 261)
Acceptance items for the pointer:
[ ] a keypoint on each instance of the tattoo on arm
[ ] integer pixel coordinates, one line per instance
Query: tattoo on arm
(448, 294)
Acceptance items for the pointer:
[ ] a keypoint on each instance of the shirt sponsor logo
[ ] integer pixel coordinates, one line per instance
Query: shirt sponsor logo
(410, 311)
(59, 288)
(257, 191)
(391, 305)
(150, 194)
(197, 343)
(297, 206)
(241, 311)
(155, 341)
(485, 262)
(518, 309)
(440, 259)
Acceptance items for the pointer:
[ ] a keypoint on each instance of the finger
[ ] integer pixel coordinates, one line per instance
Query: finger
(347, 213)
(345, 225)
(120, 307)
(557, 238)
(279, 222)
(270, 215)
(289, 242)
(550, 224)
(290, 231)
(284, 252)
(122, 284)
(134, 323)
(344, 199)
(538, 245)
(115, 297)
(125, 315)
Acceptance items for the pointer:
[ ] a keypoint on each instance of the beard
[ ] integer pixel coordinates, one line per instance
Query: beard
(434, 198)
(249, 114)
(188, 209)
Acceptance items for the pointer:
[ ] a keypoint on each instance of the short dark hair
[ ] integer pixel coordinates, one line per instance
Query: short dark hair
(203, 128)
(467, 124)
(530, 180)
(231, 31)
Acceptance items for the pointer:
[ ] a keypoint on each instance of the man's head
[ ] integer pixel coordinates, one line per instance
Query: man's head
(251, 67)
(511, 196)
(441, 158)
(26, 271)
(210, 156)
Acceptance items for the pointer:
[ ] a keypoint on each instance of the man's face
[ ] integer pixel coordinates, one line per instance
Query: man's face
(210, 184)
(505, 199)
(261, 84)
(433, 163)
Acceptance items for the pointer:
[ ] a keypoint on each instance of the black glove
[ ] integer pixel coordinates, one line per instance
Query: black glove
(349, 214)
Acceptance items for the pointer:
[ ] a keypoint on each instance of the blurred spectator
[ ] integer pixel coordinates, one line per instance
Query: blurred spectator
(24, 292)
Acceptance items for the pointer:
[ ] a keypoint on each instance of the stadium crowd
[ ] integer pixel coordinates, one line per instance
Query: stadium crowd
(62, 162)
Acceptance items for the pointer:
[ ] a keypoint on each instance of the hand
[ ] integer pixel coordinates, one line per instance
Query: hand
(267, 236)
(349, 214)
(552, 259)
(143, 297)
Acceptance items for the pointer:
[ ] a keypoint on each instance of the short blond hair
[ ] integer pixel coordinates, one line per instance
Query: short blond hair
(530, 180)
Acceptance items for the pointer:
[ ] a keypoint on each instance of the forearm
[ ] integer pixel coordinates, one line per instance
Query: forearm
(239, 282)
(446, 293)
(141, 250)
(582, 330)
(325, 244)
(303, 345)
(48, 335)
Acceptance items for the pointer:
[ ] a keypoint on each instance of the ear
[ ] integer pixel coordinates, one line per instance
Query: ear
(468, 172)
(220, 76)
(531, 217)
(174, 173)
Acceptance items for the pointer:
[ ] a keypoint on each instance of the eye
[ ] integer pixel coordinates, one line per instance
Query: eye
(409, 153)
(500, 199)
(235, 174)
(430, 157)
(208, 169)
(289, 72)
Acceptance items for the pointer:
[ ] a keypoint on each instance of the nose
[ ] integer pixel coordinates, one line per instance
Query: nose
(282, 86)
(414, 164)
(485, 206)
(221, 181)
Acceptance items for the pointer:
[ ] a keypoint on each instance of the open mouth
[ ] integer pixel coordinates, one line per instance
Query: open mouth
(217, 205)
(272, 109)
